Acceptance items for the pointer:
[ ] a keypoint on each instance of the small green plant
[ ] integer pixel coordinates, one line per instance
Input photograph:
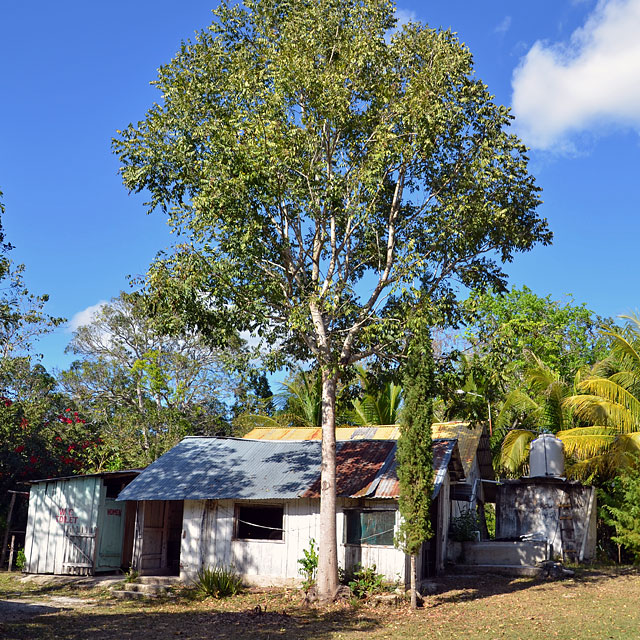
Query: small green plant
(131, 575)
(21, 559)
(218, 582)
(464, 526)
(366, 581)
(309, 565)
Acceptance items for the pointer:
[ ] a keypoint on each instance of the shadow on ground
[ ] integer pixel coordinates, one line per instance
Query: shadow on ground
(80, 625)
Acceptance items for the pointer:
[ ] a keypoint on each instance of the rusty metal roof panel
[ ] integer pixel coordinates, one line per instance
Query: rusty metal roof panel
(358, 464)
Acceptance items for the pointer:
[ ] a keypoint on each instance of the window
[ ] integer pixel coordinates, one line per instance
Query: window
(259, 523)
(370, 527)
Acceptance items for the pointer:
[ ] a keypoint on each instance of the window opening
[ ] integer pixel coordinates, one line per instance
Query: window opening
(370, 527)
(259, 523)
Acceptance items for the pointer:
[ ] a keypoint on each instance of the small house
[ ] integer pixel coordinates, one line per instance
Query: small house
(254, 504)
(76, 526)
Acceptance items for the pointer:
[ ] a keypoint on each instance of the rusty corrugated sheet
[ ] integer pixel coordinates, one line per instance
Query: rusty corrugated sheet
(358, 463)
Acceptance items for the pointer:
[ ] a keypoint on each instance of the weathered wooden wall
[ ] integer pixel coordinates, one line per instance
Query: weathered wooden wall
(55, 507)
(207, 540)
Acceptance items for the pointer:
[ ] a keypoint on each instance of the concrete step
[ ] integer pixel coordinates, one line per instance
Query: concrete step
(132, 595)
(498, 569)
(156, 589)
(166, 581)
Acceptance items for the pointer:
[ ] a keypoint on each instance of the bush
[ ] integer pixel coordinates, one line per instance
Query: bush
(464, 526)
(625, 518)
(309, 565)
(218, 582)
(366, 581)
(21, 559)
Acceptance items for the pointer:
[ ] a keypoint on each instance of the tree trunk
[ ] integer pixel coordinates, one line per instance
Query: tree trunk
(328, 548)
(413, 570)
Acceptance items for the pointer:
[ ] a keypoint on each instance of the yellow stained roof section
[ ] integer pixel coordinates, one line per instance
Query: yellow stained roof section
(468, 437)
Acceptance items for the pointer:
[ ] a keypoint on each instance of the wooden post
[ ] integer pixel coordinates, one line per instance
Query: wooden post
(13, 546)
(6, 533)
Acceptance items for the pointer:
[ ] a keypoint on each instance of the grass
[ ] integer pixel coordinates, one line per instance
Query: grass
(596, 604)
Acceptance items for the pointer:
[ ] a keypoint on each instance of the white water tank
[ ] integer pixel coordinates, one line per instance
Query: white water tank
(546, 456)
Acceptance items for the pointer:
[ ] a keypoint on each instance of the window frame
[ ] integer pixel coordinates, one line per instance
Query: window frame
(363, 510)
(237, 525)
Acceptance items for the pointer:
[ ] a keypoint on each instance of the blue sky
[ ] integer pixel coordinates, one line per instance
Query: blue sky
(73, 73)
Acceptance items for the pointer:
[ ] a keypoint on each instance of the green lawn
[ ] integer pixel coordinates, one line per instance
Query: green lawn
(597, 604)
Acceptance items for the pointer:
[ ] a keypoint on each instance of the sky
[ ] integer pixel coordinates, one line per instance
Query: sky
(73, 73)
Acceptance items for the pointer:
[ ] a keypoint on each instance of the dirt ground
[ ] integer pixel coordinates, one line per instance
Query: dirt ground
(595, 604)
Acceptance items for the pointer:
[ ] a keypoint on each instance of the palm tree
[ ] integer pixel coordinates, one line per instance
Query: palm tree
(378, 406)
(608, 400)
(598, 420)
(526, 414)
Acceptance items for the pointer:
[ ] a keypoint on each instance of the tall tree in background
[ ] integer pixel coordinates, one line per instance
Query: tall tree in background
(415, 455)
(146, 389)
(327, 176)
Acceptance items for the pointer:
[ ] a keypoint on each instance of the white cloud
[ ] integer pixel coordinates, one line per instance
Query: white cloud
(404, 16)
(504, 25)
(85, 316)
(590, 83)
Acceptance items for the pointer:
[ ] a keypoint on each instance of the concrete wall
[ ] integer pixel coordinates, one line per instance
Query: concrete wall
(207, 540)
(531, 507)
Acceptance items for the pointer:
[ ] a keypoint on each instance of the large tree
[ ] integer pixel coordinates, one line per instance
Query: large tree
(145, 388)
(327, 173)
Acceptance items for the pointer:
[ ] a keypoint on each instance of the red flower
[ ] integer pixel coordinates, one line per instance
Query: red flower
(71, 447)
(58, 439)
(33, 459)
(19, 449)
(67, 409)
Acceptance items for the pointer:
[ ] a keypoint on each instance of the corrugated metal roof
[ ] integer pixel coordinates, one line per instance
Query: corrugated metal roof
(220, 468)
(230, 468)
(473, 441)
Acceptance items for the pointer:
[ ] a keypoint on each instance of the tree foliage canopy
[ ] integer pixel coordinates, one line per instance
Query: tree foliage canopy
(303, 153)
(326, 175)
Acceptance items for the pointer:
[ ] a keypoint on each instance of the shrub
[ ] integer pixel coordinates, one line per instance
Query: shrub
(309, 565)
(21, 559)
(366, 581)
(218, 582)
(464, 526)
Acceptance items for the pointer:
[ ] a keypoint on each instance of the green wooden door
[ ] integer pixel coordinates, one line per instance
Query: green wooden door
(111, 533)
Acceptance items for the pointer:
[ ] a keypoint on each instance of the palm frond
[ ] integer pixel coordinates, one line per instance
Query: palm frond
(587, 442)
(515, 449)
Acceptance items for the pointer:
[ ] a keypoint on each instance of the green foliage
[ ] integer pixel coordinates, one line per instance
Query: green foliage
(379, 405)
(462, 527)
(21, 559)
(131, 575)
(414, 453)
(365, 581)
(146, 389)
(218, 582)
(625, 518)
(504, 329)
(326, 177)
(309, 565)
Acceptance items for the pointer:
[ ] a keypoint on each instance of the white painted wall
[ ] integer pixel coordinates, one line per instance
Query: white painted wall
(53, 506)
(207, 540)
